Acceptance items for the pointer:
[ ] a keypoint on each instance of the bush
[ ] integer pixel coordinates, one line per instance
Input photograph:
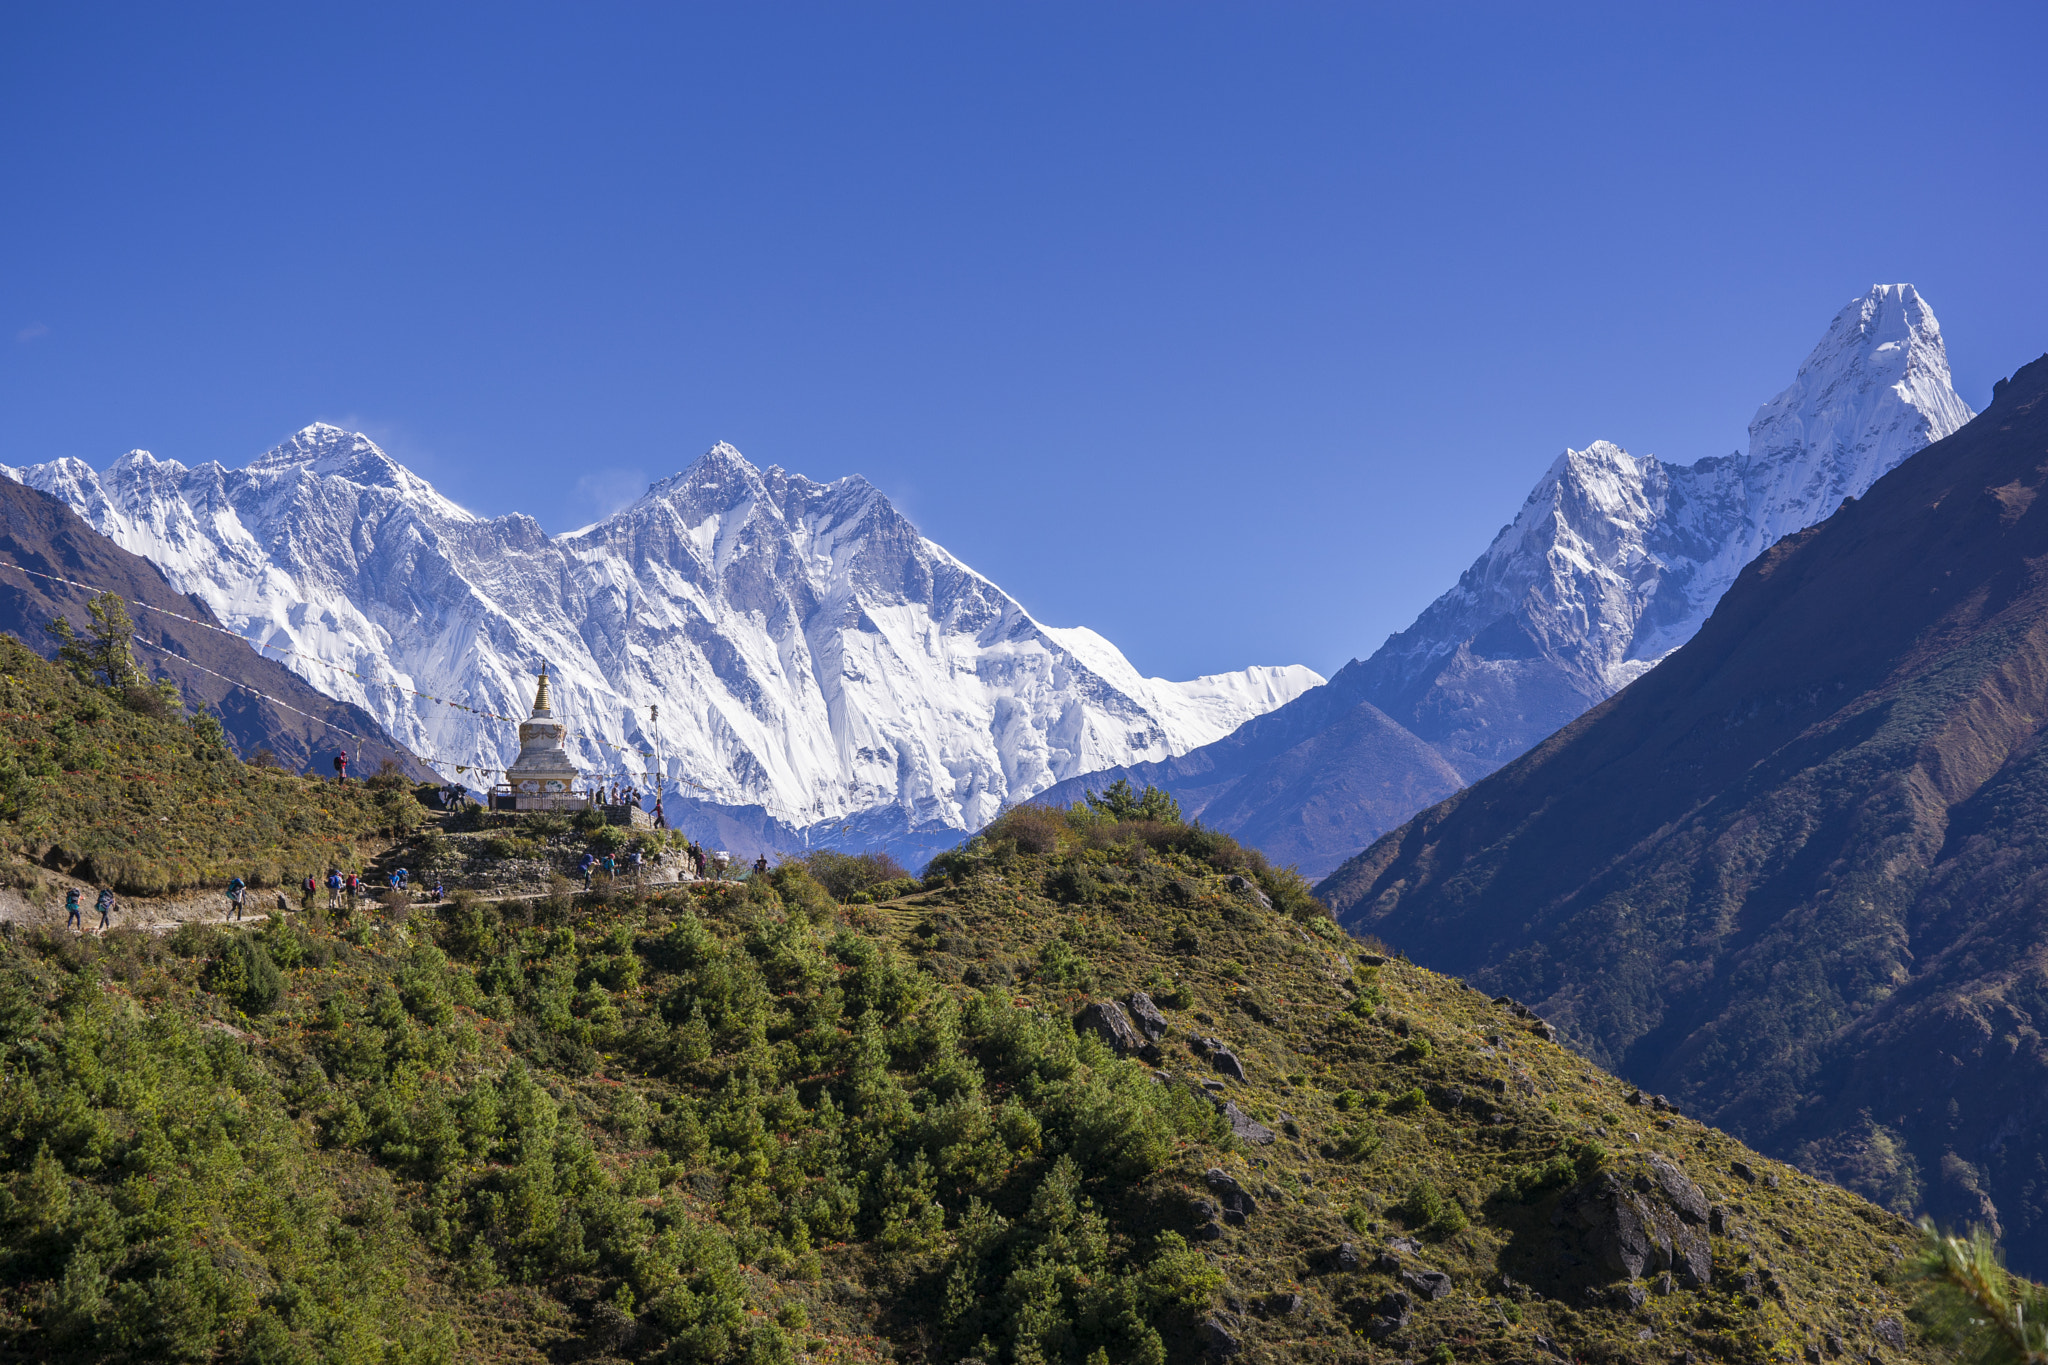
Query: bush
(609, 839)
(245, 974)
(1428, 1209)
(845, 875)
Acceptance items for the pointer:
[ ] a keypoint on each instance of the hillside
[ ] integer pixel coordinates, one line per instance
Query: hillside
(293, 720)
(738, 1122)
(122, 790)
(1791, 876)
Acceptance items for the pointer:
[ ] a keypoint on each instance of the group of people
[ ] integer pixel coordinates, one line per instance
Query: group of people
(105, 905)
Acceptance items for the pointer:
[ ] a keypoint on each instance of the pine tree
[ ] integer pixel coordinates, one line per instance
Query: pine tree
(1992, 1316)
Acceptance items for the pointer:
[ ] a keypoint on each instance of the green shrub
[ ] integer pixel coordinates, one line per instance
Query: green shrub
(245, 974)
(609, 840)
(1428, 1209)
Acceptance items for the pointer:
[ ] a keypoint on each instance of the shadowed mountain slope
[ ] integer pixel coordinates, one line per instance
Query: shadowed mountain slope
(1796, 875)
(38, 532)
(1306, 783)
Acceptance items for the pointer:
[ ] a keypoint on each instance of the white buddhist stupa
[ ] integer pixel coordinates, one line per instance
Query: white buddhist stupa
(543, 777)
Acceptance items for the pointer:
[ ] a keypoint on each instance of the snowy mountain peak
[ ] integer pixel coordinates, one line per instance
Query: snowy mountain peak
(811, 654)
(1615, 560)
(327, 451)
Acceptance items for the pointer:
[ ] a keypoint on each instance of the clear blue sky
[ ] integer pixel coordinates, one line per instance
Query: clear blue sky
(1234, 332)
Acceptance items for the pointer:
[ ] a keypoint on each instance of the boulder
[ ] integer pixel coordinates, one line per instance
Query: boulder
(1430, 1284)
(1107, 1020)
(1217, 1339)
(1389, 1315)
(1151, 1022)
(1347, 1257)
(1238, 1205)
(1286, 1305)
(1247, 1128)
(1888, 1331)
(1219, 1055)
(1631, 1228)
(1676, 1189)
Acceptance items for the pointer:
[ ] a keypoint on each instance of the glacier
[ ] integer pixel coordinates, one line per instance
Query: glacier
(740, 638)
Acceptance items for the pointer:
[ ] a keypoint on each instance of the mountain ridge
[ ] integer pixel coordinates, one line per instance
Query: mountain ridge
(1612, 561)
(1792, 875)
(811, 653)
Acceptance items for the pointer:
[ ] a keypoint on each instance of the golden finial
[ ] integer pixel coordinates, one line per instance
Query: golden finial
(540, 698)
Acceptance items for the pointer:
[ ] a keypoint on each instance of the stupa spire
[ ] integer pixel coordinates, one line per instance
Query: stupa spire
(540, 696)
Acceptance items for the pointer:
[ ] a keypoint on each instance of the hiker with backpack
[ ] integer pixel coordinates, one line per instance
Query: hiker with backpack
(307, 890)
(589, 861)
(341, 767)
(333, 888)
(71, 910)
(236, 886)
(105, 905)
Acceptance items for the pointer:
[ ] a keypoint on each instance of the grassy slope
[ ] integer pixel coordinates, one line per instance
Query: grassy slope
(152, 804)
(739, 1123)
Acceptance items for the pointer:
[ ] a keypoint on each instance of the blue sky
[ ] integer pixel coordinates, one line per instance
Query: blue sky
(1234, 332)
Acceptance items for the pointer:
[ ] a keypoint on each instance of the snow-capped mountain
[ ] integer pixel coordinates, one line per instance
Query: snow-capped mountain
(810, 653)
(1615, 560)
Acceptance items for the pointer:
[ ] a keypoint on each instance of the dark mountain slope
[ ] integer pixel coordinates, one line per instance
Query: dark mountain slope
(1794, 874)
(1307, 783)
(41, 533)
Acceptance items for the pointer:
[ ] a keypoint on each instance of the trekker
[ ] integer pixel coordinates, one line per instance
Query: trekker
(697, 860)
(589, 861)
(105, 905)
(611, 869)
(71, 910)
(333, 888)
(351, 885)
(341, 767)
(235, 888)
(639, 863)
(437, 893)
(308, 889)
(660, 820)
(400, 878)
(761, 865)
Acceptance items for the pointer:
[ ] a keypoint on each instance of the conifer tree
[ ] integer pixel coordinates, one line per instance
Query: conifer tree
(1992, 1316)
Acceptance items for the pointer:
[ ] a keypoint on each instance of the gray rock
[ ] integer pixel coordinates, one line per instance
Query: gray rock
(1238, 1205)
(1717, 1221)
(1633, 1231)
(1888, 1331)
(1217, 1340)
(1107, 1019)
(1678, 1191)
(1403, 1246)
(1389, 1315)
(1150, 1021)
(1546, 1031)
(1219, 1055)
(1286, 1305)
(1430, 1284)
(1247, 1128)
(1347, 1257)
(1742, 1170)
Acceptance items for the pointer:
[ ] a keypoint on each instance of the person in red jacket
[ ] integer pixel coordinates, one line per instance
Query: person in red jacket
(341, 767)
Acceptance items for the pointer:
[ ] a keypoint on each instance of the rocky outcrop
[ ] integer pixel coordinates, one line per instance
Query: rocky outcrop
(1237, 1203)
(1151, 1022)
(1648, 1224)
(1218, 1054)
(1106, 1019)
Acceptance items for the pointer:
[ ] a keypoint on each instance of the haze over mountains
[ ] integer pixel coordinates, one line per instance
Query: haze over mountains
(1794, 876)
(1613, 561)
(816, 661)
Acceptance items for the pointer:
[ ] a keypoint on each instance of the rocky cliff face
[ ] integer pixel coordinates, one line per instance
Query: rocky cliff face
(812, 656)
(1795, 875)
